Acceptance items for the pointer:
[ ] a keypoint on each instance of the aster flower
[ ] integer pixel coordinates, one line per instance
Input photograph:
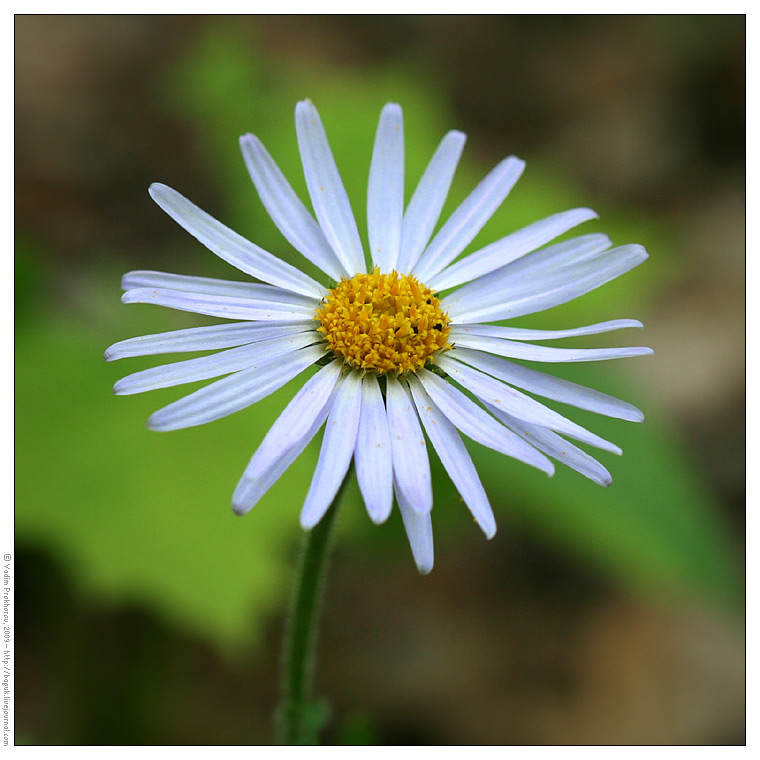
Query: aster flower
(394, 356)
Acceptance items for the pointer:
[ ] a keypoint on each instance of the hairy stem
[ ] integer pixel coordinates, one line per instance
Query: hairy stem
(300, 718)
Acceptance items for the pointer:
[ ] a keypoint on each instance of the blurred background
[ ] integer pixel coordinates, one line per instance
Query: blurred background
(148, 614)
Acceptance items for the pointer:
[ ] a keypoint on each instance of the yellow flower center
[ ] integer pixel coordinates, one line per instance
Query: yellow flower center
(383, 322)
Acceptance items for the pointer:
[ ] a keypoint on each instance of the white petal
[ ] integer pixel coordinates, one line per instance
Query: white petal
(521, 333)
(419, 531)
(336, 452)
(455, 458)
(491, 290)
(374, 466)
(228, 307)
(204, 338)
(231, 247)
(551, 387)
(289, 430)
(212, 287)
(539, 282)
(222, 363)
(328, 196)
(477, 424)
(250, 490)
(424, 208)
(469, 218)
(411, 467)
(286, 209)
(233, 393)
(557, 447)
(529, 352)
(502, 396)
(509, 248)
(385, 193)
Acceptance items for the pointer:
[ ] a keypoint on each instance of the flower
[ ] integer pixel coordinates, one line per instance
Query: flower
(394, 356)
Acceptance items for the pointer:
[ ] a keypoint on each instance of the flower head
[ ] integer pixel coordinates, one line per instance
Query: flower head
(395, 357)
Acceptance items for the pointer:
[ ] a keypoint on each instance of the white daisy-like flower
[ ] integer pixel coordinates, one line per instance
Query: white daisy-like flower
(396, 359)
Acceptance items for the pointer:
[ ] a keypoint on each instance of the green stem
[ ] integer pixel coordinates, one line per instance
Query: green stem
(300, 718)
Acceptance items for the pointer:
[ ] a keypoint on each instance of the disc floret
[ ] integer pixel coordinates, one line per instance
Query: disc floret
(383, 322)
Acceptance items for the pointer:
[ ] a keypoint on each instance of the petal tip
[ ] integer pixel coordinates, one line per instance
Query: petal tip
(378, 516)
(307, 522)
(514, 161)
(247, 142)
(157, 189)
(304, 105)
(240, 509)
(155, 424)
(588, 213)
(641, 253)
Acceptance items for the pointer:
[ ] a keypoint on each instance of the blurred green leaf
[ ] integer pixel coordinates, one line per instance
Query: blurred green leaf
(146, 517)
